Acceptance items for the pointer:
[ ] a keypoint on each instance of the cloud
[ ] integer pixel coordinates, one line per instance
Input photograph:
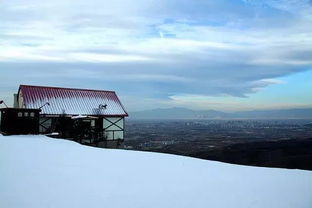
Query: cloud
(155, 49)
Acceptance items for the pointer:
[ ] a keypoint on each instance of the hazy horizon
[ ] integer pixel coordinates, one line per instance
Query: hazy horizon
(222, 55)
(225, 111)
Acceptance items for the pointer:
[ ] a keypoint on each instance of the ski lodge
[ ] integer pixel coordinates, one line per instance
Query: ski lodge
(94, 117)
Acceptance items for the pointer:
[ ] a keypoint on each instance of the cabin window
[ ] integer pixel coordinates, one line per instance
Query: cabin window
(32, 114)
(26, 114)
(19, 114)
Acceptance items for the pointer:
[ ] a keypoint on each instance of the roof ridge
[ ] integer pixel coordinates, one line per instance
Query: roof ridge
(66, 88)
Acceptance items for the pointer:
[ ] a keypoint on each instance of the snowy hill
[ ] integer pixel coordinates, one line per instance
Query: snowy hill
(37, 171)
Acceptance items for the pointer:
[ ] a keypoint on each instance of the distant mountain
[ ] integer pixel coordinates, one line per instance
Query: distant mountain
(283, 114)
(184, 113)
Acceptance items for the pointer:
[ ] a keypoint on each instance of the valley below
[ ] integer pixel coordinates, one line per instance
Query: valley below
(268, 143)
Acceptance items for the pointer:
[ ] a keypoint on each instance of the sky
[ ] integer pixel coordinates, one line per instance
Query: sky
(224, 55)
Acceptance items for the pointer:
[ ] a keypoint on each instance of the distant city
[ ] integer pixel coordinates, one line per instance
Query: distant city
(275, 143)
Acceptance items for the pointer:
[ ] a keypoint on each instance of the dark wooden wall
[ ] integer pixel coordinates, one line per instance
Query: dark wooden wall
(19, 121)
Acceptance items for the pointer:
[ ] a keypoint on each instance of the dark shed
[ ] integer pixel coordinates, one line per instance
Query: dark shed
(19, 121)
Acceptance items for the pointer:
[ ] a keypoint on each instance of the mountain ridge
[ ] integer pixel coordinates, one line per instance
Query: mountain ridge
(185, 113)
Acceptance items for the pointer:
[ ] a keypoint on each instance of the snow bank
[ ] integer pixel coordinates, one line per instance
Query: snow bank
(37, 171)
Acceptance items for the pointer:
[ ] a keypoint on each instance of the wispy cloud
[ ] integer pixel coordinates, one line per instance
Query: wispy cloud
(163, 48)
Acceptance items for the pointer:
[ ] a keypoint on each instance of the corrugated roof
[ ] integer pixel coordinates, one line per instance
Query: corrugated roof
(72, 101)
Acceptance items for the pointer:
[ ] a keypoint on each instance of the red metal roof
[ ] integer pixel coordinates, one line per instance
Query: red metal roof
(71, 101)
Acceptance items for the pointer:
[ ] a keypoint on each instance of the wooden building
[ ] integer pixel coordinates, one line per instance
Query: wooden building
(89, 116)
(19, 121)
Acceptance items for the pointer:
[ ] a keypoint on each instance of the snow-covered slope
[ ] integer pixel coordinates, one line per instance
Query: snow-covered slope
(36, 172)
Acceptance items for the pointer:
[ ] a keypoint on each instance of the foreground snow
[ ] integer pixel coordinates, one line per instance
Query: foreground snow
(36, 171)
